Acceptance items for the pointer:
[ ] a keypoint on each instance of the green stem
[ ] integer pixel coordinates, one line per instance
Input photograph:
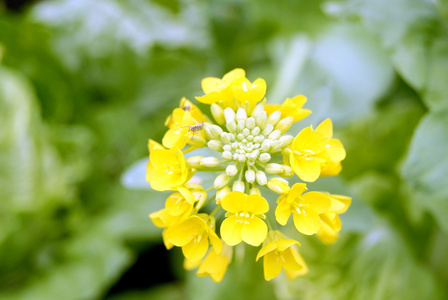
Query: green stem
(215, 210)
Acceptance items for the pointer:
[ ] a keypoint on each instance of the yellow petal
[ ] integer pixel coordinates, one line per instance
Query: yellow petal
(316, 201)
(296, 191)
(210, 84)
(339, 203)
(326, 128)
(266, 249)
(309, 142)
(290, 260)
(285, 244)
(214, 265)
(307, 169)
(293, 108)
(186, 193)
(271, 266)
(255, 204)
(231, 231)
(181, 234)
(233, 202)
(254, 233)
(307, 221)
(215, 241)
(335, 150)
(196, 248)
(233, 75)
(282, 212)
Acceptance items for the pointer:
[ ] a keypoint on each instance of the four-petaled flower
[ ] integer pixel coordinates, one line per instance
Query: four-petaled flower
(244, 219)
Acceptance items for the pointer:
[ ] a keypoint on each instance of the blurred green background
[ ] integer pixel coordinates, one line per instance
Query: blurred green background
(84, 84)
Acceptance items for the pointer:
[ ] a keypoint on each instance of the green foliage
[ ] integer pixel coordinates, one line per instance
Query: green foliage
(80, 95)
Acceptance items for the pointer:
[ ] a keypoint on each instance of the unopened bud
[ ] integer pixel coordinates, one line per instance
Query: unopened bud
(274, 117)
(250, 175)
(221, 181)
(221, 194)
(246, 132)
(256, 131)
(250, 123)
(275, 134)
(266, 145)
(264, 157)
(194, 161)
(215, 145)
(231, 126)
(279, 185)
(286, 140)
(225, 138)
(238, 186)
(229, 114)
(231, 170)
(227, 155)
(241, 115)
(268, 129)
(274, 168)
(197, 141)
(285, 124)
(218, 113)
(255, 191)
(261, 178)
(216, 130)
(262, 119)
(287, 171)
(257, 110)
(241, 125)
(209, 162)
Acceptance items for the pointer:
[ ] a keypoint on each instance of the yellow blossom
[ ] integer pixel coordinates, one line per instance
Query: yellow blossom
(291, 107)
(305, 208)
(280, 253)
(193, 235)
(217, 90)
(243, 222)
(303, 155)
(333, 153)
(330, 222)
(247, 92)
(215, 264)
(166, 169)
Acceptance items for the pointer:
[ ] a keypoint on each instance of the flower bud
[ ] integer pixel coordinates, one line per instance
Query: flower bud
(216, 130)
(194, 161)
(279, 185)
(266, 145)
(218, 114)
(274, 168)
(255, 191)
(250, 123)
(231, 126)
(261, 178)
(215, 145)
(209, 162)
(197, 141)
(250, 175)
(221, 181)
(286, 140)
(264, 157)
(257, 110)
(231, 170)
(262, 119)
(256, 131)
(221, 194)
(287, 171)
(229, 114)
(241, 115)
(241, 125)
(274, 117)
(285, 124)
(225, 138)
(246, 132)
(268, 129)
(275, 134)
(238, 186)
(227, 155)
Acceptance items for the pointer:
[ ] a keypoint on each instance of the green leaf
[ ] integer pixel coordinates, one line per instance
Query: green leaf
(416, 38)
(425, 168)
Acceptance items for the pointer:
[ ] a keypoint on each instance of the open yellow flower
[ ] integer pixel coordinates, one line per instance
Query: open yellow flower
(333, 153)
(279, 253)
(167, 168)
(193, 235)
(304, 208)
(303, 155)
(243, 222)
(215, 265)
(247, 93)
(330, 222)
(217, 89)
(291, 107)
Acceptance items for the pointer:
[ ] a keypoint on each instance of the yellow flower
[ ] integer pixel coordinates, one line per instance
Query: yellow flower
(333, 153)
(215, 265)
(291, 108)
(193, 235)
(243, 222)
(178, 206)
(247, 92)
(330, 222)
(217, 90)
(305, 208)
(303, 155)
(166, 169)
(179, 122)
(280, 253)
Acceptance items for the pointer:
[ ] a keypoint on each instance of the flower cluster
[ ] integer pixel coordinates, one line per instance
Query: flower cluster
(253, 153)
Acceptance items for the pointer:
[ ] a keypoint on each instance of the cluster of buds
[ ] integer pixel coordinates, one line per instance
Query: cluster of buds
(253, 153)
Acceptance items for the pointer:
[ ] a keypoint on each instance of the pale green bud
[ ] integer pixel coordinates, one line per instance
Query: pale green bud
(229, 114)
(285, 124)
(231, 126)
(250, 175)
(264, 157)
(250, 123)
(255, 191)
(261, 178)
(221, 194)
(215, 145)
(194, 161)
(274, 135)
(274, 117)
(268, 129)
(231, 170)
(221, 181)
(209, 162)
(279, 185)
(225, 138)
(241, 115)
(218, 113)
(274, 168)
